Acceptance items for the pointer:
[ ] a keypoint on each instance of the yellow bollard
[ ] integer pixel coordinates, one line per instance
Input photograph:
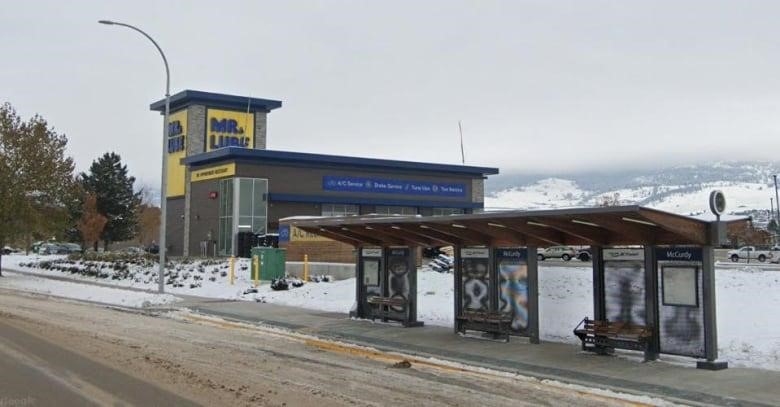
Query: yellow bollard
(232, 267)
(256, 269)
(305, 267)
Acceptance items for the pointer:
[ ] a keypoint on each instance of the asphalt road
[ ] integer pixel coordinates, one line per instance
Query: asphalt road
(61, 353)
(37, 372)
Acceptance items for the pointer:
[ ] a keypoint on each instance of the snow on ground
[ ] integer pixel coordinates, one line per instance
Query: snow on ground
(747, 298)
(741, 196)
(84, 292)
(544, 194)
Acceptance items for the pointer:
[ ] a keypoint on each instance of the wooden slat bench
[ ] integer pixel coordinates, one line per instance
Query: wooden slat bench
(496, 323)
(385, 304)
(604, 337)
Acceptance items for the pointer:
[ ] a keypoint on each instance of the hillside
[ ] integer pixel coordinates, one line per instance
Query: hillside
(748, 187)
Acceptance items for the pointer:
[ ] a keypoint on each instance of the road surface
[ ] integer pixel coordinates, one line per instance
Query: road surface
(55, 352)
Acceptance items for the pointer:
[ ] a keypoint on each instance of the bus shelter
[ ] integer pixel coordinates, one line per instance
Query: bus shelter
(653, 272)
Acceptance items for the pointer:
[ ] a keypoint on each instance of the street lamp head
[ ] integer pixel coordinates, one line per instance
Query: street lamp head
(107, 22)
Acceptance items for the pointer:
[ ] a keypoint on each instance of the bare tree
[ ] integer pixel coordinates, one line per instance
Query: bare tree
(92, 223)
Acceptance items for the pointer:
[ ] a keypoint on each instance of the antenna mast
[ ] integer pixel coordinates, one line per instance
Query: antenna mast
(462, 153)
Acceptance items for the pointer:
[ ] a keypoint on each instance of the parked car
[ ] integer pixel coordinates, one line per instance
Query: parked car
(71, 247)
(152, 248)
(132, 250)
(8, 250)
(584, 254)
(52, 248)
(557, 252)
(751, 253)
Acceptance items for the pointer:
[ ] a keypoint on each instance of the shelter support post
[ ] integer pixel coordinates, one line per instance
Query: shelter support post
(651, 302)
(533, 295)
(457, 271)
(411, 320)
(358, 311)
(599, 309)
(710, 314)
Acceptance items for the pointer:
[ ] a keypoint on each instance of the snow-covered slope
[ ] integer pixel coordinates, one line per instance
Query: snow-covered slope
(547, 193)
(748, 187)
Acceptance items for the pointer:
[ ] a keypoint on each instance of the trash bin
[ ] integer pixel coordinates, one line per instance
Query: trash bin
(271, 262)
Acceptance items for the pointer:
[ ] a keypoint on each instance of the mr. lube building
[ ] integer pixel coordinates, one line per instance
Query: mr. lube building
(224, 186)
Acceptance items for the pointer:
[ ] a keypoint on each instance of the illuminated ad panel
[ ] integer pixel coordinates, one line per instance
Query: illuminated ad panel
(680, 314)
(177, 149)
(398, 274)
(228, 128)
(512, 267)
(476, 279)
(624, 285)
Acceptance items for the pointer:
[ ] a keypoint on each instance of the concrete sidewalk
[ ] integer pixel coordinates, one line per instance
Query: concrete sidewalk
(673, 380)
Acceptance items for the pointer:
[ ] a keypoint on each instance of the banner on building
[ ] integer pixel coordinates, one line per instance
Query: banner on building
(392, 186)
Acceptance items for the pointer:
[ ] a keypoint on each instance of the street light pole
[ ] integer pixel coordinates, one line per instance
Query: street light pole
(164, 181)
(777, 199)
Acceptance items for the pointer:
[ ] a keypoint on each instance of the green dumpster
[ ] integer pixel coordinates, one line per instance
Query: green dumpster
(271, 262)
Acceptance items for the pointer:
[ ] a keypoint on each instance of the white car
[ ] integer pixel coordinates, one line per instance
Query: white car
(557, 252)
(750, 253)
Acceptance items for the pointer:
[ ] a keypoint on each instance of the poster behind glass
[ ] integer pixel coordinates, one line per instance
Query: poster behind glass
(624, 286)
(680, 314)
(475, 279)
(512, 268)
(398, 284)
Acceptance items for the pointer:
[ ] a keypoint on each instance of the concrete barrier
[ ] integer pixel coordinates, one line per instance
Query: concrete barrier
(339, 271)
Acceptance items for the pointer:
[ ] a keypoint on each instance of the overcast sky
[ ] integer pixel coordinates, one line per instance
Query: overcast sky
(540, 86)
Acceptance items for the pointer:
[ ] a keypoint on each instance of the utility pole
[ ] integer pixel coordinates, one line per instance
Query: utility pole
(777, 199)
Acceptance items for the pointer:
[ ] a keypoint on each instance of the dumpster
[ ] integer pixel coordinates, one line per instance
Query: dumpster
(270, 261)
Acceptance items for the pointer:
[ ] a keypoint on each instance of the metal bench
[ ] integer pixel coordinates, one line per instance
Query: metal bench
(495, 323)
(603, 337)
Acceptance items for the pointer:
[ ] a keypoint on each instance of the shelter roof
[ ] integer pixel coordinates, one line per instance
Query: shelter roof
(270, 157)
(605, 226)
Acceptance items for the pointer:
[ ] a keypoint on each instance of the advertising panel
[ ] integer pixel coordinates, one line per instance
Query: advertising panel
(624, 285)
(398, 278)
(680, 314)
(177, 149)
(512, 266)
(392, 186)
(228, 128)
(476, 279)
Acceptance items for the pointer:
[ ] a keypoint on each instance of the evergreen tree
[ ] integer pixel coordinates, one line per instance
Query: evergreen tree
(35, 177)
(109, 182)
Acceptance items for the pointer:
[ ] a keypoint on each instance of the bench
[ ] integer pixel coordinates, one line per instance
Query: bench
(385, 304)
(603, 337)
(496, 323)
